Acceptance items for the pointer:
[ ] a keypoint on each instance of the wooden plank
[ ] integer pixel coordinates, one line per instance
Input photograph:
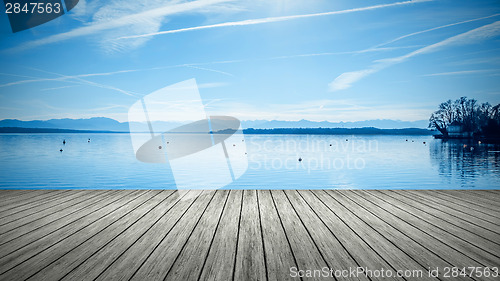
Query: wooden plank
(221, 258)
(333, 252)
(473, 234)
(10, 216)
(25, 226)
(489, 196)
(457, 211)
(24, 269)
(93, 255)
(423, 205)
(250, 260)
(394, 251)
(61, 206)
(161, 259)
(431, 227)
(7, 198)
(189, 262)
(436, 197)
(363, 252)
(278, 254)
(306, 252)
(471, 200)
(124, 267)
(34, 242)
(28, 201)
(7, 195)
(94, 265)
(398, 236)
(448, 256)
(489, 191)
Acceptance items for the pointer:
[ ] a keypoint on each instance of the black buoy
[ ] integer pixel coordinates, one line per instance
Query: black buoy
(88, 140)
(346, 140)
(330, 144)
(61, 150)
(406, 140)
(300, 159)
(159, 147)
(424, 142)
(64, 142)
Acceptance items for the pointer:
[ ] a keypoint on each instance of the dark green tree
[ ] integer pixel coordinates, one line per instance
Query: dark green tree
(481, 119)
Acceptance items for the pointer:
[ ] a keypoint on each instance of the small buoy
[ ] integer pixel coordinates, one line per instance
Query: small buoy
(330, 144)
(346, 140)
(479, 142)
(234, 144)
(159, 147)
(300, 159)
(424, 142)
(168, 142)
(406, 140)
(64, 141)
(471, 148)
(465, 145)
(412, 141)
(242, 140)
(245, 153)
(61, 150)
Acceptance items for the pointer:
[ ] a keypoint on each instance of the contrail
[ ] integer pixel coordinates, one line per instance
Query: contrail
(119, 22)
(432, 29)
(128, 93)
(345, 80)
(211, 70)
(274, 19)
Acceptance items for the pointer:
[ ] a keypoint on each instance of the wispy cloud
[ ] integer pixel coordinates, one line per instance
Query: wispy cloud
(57, 88)
(272, 19)
(128, 93)
(208, 69)
(149, 19)
(370, 50)
(434, 28)
(463, 72)
(61, 77)
(345, 80)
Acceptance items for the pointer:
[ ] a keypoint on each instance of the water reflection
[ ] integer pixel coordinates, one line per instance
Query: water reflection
(361, 162)
(465, 160)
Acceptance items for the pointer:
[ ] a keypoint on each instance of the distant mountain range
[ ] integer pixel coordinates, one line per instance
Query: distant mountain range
(108, 124)
(378, 123)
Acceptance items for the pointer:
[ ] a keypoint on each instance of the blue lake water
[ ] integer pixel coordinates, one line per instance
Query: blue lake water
(337, 162)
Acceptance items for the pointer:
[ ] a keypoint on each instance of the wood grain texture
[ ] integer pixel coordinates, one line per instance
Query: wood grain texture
(250, 260)
(243, 234)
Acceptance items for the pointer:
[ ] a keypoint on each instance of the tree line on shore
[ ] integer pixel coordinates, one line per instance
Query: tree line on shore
(473, 119)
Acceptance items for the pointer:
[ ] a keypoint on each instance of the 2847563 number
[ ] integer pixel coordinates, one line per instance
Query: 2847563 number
(477, 272)
(39, 8)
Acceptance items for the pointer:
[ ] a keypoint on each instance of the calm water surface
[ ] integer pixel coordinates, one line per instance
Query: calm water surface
(337, 162)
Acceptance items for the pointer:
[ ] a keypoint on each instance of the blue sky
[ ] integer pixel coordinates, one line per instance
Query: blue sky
(342, 60)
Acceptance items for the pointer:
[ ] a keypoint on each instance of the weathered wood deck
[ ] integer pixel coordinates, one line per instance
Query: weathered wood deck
(244, 235)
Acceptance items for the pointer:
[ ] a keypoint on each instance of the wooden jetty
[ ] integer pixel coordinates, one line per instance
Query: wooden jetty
(247, 234)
